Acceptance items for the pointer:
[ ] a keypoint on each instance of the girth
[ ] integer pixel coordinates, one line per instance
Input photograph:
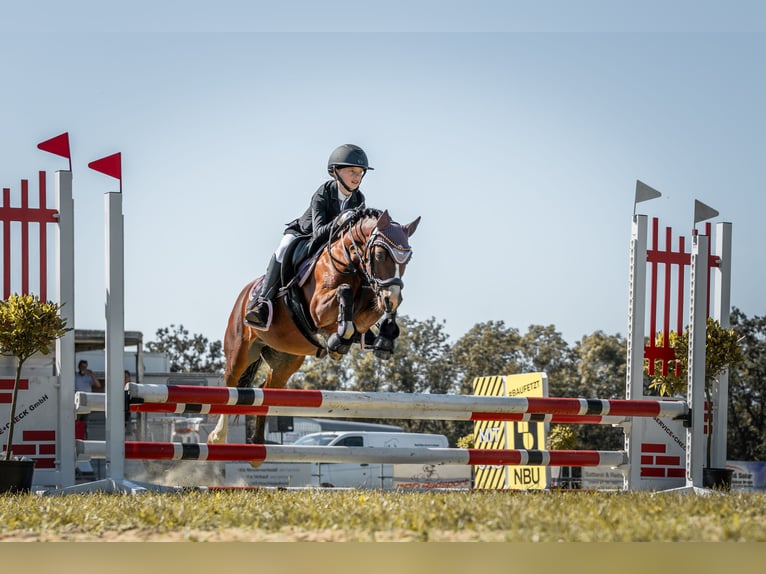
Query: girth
(299, 311)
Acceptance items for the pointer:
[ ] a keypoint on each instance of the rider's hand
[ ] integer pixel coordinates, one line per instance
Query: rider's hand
(344, 217)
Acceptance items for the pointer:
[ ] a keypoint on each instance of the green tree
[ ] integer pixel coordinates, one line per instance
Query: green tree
(747, 391)
(487, 349)
(27, 326)
(188, 353)
(323, 374)
(543, 349)
(601, 362)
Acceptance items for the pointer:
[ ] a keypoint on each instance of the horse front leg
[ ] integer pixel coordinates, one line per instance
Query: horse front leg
(340, 342)
(383, 346)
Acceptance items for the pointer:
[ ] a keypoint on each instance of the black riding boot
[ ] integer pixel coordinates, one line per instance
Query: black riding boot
(257, 313)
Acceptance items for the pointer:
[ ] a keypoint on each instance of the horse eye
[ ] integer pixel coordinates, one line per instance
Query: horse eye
(380, 255)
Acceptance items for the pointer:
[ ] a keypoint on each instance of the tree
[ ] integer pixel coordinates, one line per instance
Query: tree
(188, 354)
(601, 362)
(324, 374)
(747, 391)
(487, 349)
(27, 326)
(543, 349)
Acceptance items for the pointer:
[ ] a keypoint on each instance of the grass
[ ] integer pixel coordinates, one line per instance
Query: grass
(385, 515)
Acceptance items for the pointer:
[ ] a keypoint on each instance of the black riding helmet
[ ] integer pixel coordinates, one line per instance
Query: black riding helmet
(347, 155)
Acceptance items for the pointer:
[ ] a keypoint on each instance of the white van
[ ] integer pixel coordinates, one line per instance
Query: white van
(339, 475)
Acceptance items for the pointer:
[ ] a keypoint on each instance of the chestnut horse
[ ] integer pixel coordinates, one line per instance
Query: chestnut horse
(354, 282)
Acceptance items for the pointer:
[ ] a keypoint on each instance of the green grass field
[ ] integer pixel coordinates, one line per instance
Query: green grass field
(346, 515)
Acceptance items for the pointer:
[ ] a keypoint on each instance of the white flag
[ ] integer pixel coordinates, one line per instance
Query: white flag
(645, 193)
(703, 212)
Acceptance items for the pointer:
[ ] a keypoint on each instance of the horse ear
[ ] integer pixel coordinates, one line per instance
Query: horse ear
(411, 227)
(384, 220)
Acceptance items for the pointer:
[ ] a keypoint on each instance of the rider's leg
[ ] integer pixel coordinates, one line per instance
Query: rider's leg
(257, 313)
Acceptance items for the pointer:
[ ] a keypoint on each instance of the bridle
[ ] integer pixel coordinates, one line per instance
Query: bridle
(401, 254)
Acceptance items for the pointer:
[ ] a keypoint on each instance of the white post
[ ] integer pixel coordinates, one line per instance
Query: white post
(115, 337)
(721, 312)
(65, 349)
(695, 437)
(634, 384)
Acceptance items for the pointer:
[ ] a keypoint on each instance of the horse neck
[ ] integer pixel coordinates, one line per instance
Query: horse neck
(352, 241)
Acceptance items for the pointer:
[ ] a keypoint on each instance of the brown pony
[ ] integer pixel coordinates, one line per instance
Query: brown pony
(355, 280)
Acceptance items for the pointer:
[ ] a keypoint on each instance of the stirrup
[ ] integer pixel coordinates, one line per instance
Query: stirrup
(255, 313)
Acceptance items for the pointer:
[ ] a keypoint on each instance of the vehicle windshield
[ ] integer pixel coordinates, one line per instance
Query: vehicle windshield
(316, 439)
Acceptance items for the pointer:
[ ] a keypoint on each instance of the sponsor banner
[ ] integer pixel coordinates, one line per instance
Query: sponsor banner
(431, 476)
(36, 420)
(284, 474)
(748, 476)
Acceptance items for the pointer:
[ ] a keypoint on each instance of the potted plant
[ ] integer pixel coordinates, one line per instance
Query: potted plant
(28, 326)
(722, 351)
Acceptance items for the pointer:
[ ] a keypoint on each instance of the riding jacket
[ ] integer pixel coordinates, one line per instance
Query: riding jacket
(325, 207)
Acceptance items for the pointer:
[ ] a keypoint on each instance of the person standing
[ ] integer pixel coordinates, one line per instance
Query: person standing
(84, 379)
(84, 382)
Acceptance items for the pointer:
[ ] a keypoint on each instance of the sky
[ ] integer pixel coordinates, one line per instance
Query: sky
(517, 130)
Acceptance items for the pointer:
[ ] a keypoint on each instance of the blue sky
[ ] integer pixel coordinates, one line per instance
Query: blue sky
(516, 130)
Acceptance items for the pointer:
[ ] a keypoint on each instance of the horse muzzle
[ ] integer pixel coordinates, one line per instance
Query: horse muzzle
(389, 294)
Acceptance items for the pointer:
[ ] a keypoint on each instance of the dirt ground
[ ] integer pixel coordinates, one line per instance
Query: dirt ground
(243, 535)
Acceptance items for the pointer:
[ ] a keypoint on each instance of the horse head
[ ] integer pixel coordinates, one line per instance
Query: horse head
(384, 258)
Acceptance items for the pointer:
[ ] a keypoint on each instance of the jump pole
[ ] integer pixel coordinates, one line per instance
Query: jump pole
(152, 393)
(95, 402)
(373, 455)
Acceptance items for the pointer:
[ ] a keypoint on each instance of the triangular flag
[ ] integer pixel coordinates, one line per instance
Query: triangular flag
(645, 193)
(703, 212)
(110, 165)
(58, 145)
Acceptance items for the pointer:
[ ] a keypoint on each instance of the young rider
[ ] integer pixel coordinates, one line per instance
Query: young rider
(347, 166)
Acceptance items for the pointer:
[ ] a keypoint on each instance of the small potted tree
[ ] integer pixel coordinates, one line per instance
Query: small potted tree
(28, 326)
(722, 351)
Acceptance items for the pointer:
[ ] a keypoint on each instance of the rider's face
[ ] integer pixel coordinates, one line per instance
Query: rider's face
(351, 176)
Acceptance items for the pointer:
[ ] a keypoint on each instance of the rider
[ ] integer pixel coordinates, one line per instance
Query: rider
(347, 166)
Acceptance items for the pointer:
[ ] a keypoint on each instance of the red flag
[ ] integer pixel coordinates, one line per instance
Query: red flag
(110, 165)
(58, 145)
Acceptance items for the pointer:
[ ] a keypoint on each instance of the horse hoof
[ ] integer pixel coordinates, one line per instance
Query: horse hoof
(383, 348)
(337, 346)
(385, 355)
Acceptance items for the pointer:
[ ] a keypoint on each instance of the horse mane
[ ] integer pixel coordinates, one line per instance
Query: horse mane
(370, 212)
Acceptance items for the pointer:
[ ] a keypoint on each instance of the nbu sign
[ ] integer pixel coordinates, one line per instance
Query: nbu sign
(511, 434)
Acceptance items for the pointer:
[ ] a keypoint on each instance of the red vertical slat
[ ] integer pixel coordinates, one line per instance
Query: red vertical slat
(24, 238)
(6, 244)
(666, 295)
(653, 293)
(43, 240)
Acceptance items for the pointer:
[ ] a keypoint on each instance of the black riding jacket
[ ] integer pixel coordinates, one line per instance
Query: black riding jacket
(324, 208)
